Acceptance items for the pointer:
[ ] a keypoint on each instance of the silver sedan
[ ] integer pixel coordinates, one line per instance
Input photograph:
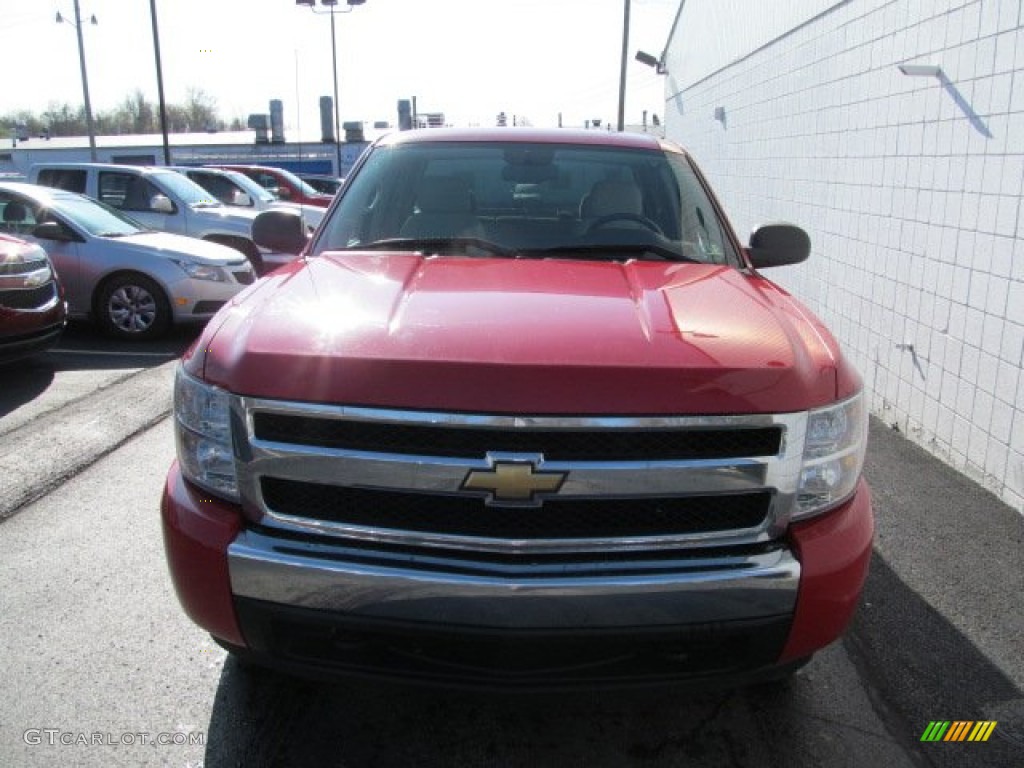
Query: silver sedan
(131, 281)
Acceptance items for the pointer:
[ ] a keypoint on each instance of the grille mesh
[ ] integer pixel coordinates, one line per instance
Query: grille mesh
(31, 298)
(20, 267)
(556, 519)
(556, 445)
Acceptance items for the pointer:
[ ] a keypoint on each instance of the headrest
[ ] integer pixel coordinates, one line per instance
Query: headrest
(611, 197)
(444, 194)
(15, 211)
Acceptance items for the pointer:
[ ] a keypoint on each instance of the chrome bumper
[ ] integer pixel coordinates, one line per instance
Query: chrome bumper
(642, 592)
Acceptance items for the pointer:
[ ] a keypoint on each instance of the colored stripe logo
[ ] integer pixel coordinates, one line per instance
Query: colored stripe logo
(959, 730)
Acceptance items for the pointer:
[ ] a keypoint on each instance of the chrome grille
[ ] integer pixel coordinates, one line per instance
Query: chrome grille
(398, 478)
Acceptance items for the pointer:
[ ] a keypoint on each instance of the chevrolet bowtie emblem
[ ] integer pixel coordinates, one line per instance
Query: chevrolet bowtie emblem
(513, 481)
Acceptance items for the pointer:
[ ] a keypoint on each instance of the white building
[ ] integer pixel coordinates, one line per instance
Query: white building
(910, 185)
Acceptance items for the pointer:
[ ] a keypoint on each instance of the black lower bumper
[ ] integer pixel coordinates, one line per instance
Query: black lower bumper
(313, 643)
(16, 347)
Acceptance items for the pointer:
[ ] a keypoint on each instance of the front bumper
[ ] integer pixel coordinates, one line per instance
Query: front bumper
(28, 331)
(308, 605)
(198, 300)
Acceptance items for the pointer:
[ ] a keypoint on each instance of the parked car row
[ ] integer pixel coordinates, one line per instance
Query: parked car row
(234, 188)
(108, 242)
(160, 199)
(134, 282)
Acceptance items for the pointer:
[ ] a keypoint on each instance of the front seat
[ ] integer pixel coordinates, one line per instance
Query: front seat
(611, 197)
(15, 215)
(445, 208)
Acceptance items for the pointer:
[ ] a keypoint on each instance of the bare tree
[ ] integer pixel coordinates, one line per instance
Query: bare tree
(134, 115)
(64, 120)
(200, 110)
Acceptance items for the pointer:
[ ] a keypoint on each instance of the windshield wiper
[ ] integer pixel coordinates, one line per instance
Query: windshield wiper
(432, 245)
(626, 250)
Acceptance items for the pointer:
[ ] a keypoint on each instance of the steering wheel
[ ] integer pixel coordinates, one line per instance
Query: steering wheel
(635, 217)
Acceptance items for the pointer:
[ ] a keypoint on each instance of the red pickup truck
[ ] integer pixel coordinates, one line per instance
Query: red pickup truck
(525, 413)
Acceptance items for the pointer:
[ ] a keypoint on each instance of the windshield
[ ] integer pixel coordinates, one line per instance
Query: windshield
(184, 189)
(298, 183)
(521, 199)
(250, 187)
(97, 219)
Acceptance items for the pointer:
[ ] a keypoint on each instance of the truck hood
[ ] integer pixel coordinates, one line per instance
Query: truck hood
(521, 336)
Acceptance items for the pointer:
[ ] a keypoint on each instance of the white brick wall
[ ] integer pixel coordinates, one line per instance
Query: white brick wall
(910, 189)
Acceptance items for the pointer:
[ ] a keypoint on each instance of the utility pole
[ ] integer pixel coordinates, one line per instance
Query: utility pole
(160, 84)
(622, 68)
(90, 126)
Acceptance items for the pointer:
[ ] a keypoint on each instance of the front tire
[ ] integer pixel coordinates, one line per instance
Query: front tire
(132, 307)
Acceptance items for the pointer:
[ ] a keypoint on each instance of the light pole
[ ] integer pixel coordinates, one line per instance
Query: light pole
(160, 83)
(334, 67)
(77, 24)
(622, 66)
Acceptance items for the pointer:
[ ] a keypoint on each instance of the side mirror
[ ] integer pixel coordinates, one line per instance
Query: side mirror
(283, 192)
(161, 204)
(778, 244)
(241, 199)
(52, 230)
(280, 230)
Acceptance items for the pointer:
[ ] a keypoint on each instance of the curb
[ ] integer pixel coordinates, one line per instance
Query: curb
(41, 455)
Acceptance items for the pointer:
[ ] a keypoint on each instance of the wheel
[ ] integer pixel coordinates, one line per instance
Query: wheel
(132, 306)
(246, 247)
(635, 217)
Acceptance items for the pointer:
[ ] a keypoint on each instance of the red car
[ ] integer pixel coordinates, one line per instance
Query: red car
(525, 413)
(33, 312)
(284, 184)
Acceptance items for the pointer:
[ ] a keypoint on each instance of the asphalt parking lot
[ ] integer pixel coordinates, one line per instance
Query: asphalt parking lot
(83, 361)
(62, 410)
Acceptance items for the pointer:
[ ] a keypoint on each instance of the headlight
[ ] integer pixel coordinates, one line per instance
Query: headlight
(23, 266)
(41, 276)
(203, 271)
(203, 432)
(833, 456)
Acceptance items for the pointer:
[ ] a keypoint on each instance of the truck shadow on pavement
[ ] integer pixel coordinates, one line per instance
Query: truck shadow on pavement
(917, 668)
(23, 381)
(83, 345)
(863, 701)
(84, 348)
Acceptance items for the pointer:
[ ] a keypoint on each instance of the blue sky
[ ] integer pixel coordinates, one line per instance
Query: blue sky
(467, 59)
